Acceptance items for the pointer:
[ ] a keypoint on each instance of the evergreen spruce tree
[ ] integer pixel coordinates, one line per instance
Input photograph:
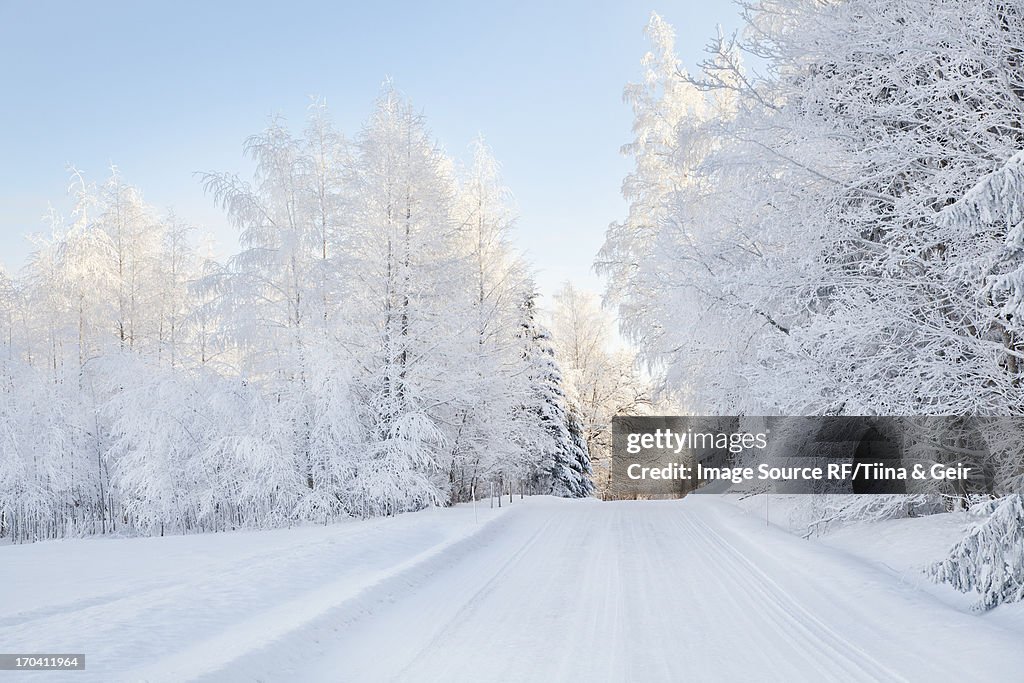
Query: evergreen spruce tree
(564, 470)
(579, 474)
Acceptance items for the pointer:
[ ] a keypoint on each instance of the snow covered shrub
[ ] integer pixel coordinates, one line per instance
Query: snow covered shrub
(820, 514)
(990, 559)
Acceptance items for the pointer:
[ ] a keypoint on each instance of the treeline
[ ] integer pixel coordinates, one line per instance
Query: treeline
(374, 347)
(826, 217)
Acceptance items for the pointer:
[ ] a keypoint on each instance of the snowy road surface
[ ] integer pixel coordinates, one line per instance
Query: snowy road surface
(543, 589)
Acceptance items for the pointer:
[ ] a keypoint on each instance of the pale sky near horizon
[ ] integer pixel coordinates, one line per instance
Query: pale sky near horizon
(165, 89)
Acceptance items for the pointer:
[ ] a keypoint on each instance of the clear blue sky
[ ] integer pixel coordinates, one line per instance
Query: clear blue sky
(163, 89)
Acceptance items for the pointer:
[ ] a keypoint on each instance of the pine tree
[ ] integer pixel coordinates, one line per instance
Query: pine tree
(564, 469)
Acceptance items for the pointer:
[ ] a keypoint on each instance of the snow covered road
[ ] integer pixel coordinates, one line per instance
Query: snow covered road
(543, 589)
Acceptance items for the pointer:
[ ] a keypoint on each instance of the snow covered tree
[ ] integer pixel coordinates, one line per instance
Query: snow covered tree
(572, 475)
(362, 354)
(280, 293)
(990, 559)
(677, 254)
(404, 324)
(804, 203)
(601, 381)
(564, 468)
(495, 439)
(889, 151)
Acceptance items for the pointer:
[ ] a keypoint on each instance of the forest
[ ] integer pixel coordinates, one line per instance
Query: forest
(373, 348)
(832, 203)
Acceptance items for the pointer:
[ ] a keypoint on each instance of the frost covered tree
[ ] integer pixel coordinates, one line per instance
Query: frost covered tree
(601, 381)
(804, 202)
(289, 225)
(362, 353)
(993, 211)
(278, 297)
(410, 273)
(495, 436)
(565, 465)
(671, 266)
(989, 561)
(835, 229)
(93, 297)
(896, 136)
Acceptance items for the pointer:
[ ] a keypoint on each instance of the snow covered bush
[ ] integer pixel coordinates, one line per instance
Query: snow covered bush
(990, 559)
(821, 514)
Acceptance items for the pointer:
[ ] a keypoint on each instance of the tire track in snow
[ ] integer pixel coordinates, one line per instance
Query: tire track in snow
(474, 602)
(125, 605)
(845, 661)
(265, 628)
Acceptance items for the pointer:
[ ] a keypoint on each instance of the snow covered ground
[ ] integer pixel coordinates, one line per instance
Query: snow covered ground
(544, 589)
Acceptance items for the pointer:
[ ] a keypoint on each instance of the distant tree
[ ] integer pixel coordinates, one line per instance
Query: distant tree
(601, 381)
(564, 468)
